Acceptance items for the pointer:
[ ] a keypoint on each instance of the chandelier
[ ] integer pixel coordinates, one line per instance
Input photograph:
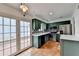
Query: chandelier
(23, 8)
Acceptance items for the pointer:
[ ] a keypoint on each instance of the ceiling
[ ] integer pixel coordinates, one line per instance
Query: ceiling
(48, 11)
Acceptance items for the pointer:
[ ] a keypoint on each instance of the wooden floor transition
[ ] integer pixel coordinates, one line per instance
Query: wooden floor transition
(50, 48)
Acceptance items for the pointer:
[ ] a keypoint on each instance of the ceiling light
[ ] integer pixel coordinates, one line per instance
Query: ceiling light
(23, 8)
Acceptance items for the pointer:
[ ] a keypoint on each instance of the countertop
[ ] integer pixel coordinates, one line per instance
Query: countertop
(69, 37)
(41, 33)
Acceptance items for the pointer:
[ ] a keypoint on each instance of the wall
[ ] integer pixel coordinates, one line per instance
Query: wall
(73, 26)
(76, 18)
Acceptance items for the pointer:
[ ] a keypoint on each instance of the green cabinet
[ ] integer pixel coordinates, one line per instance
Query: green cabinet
(35, 40)
(36, 24)
(38, 41)
(69, 47)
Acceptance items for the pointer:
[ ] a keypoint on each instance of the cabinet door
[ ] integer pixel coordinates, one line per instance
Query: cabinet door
(39, 25)
(36, 25)
(35, 41)
(33, 24)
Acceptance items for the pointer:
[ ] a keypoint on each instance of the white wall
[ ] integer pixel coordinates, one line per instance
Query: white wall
(76, 18)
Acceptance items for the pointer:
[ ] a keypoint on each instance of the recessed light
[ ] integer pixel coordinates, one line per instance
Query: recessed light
(50, 13)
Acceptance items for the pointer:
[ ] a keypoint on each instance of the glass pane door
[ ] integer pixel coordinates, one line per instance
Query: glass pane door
(7, 36)
(25, 34)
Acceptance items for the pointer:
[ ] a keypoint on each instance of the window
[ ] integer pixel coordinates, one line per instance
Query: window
(25, 34)
(7, 36)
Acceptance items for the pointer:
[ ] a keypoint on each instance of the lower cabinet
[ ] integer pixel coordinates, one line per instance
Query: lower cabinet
(69, 47)
(38, 41)
(35, 41)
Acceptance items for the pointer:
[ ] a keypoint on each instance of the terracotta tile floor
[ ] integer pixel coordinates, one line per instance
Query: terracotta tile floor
(51, 48)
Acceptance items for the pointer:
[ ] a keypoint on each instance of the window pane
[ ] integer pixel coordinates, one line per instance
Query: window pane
(26, 39)
(26, 44)
(13, 49)
(26, 28)
(13, 28)
(13, 22)
(7, 44)
(1, 29)
(28, 23)
(13, 36)
(1, 37)
(0, 20)
(21, 23)
(22, 34)
(6, 21)
(22, 39)
(13, 42)
(26, 33)
(1, 46)
(22, 45)
(25, 23)
(1, 52)
(29, 41)
(6, 29)
(21, 29)
(6, 41)
(22, 42)
(1, 42)
(7, 52)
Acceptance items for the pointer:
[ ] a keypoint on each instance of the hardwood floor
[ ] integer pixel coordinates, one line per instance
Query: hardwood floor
(50, 48)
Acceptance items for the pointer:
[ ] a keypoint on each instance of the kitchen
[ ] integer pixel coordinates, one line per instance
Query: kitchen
(49, 25)
(43, 32)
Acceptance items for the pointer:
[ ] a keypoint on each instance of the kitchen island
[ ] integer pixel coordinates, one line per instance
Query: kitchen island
(39, 39)
(69, 45)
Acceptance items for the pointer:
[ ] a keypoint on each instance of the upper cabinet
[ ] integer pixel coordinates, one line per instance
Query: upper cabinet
(64, 27)
(38, 25)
